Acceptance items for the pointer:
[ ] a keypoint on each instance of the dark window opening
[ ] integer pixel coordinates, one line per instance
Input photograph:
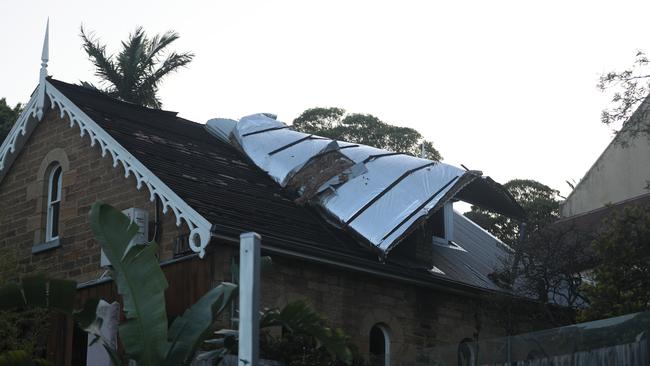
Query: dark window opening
(438, 223)
(379, 346)
(466, 353)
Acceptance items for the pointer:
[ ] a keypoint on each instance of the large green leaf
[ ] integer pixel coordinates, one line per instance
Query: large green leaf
(139, 280)
(188, 331)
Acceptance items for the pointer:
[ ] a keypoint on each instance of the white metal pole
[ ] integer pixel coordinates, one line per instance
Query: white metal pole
(249, 298)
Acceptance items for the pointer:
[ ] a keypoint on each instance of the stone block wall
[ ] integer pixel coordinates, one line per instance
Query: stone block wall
(87, 178)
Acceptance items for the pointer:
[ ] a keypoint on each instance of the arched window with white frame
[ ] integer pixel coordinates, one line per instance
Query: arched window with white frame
(379, 345)
(53, 203)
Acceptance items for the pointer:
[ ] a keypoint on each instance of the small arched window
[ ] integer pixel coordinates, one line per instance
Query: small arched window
(379, 345)
(53, 203)
(466, 353)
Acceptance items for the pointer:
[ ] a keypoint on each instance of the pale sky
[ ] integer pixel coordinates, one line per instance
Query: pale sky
(506, 87)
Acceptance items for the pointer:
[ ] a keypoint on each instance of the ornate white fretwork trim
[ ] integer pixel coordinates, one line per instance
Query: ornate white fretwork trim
(19, 129)
(34, 109)
(200, 228)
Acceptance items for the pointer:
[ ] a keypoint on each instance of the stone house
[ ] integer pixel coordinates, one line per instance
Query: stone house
(195, 194)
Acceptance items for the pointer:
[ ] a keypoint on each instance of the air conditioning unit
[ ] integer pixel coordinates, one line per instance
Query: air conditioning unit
(141, 218)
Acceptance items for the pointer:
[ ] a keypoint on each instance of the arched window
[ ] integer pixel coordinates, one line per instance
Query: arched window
(379, 345)
(466, 353)
(53, 203)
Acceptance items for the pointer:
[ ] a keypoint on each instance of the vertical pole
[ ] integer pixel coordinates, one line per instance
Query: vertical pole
(249, 298)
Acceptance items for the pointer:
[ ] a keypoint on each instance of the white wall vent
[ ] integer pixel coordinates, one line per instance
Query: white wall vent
(141, 218)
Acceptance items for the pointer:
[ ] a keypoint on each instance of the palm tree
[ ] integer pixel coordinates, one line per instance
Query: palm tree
(135, 73)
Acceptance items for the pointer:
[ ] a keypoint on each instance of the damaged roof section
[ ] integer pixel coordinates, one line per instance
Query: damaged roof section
(377, 195)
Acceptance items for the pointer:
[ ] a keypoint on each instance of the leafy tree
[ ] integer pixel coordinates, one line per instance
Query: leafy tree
(21, 358)
(629, 88)
(135, 74)
(364, 129)
(621, 283)
(549, 266)
(545, 264)
(8, 117)
(37, 293)
(301, 325)
(297, 335)
(23, 330)
(538, 200)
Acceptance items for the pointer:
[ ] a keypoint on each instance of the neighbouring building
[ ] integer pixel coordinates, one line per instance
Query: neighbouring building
(619, 177)
(420, 274)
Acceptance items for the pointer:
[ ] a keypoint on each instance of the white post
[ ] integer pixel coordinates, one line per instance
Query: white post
(249, 298)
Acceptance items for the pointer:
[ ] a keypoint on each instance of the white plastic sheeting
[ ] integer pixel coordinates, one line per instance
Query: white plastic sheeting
(382, 196)
(265, 148)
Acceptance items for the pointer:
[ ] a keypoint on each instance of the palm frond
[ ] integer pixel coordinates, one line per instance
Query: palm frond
(138, 68)
(172, 63)
(158, 43)
(104, 66)
(130, 62)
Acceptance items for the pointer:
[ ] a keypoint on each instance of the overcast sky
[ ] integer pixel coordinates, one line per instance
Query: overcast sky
(503, 87)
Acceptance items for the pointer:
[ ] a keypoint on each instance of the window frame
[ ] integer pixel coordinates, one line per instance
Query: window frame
(448, 222)
(385, 330)
(53, 204)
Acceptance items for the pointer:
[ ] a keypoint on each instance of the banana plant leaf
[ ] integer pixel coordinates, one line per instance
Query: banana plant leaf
(188, 331)
(139, 280)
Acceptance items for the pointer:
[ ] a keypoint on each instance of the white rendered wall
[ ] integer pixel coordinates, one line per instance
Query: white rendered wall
(622, 172)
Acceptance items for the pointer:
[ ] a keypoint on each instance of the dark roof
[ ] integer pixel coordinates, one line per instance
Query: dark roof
(222, 185)
(481, 254)
(595, 219)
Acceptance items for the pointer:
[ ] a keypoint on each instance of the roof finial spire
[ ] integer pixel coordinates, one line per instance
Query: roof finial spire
(45, 56)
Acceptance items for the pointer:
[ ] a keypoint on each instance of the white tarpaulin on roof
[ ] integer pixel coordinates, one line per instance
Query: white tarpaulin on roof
(379, 195)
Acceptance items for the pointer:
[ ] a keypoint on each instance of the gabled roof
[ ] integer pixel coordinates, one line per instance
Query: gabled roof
(211, 176)
(215, 188)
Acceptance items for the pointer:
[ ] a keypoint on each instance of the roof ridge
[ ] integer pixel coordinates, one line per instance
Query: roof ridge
(99, 94)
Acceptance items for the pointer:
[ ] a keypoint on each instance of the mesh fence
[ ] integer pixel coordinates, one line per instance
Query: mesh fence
(615, 341)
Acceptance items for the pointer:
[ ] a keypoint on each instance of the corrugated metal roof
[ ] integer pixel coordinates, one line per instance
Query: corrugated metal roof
(482, 254)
